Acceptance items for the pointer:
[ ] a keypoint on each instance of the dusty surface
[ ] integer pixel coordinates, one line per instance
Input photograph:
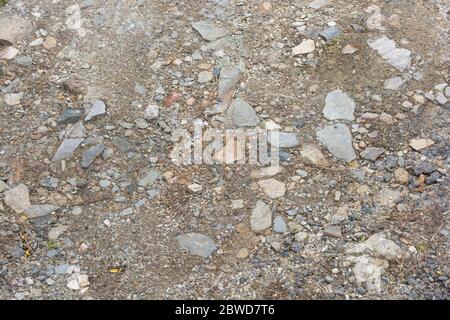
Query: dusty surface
(134, 53)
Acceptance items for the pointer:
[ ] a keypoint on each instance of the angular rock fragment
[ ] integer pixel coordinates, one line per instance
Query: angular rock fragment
(338, 140)
(398, 57)
(209, 31)
(197, 244)
(372, 153)
(91, 154)
(67, 149)
(305, 47)
(261, 217)
(97, 110)
(70, 116)
(242, 114)
(339, 106)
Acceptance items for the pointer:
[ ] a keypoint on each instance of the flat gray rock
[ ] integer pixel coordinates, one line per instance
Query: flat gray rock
(283, 139)
(209, 31)
(98, 109)
(317, 4)
(279, 226)
(397, 57)
(339, 106)
(197, 244)
(338, 140)
(372, 153)
(330, 33)
(91, 154)
(242, 114)
(67, 149)
(261, 217)
(70, 115)
(332, 231)
(40, 210)
(18, 198)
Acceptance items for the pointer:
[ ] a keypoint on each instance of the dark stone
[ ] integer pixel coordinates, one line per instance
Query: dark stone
(70, 115)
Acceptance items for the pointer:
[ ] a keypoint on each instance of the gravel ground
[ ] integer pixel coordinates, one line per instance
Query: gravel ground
(96, 95)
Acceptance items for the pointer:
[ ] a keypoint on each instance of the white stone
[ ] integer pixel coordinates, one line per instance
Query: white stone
(398, 57)
(305, 47)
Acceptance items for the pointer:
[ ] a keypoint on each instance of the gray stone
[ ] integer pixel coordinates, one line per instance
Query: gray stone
(332, 231)
(229, 76)
(14, 28)
(279, 225)
(141, 123)
(24, 61)
(441, 99)
(70, 115)
(338, 140)
(61, 268)
(261, 217)
(339, 106)
(150, 178)
(67, 149)
(394, 83)
(91, 154)
(372, 153)
(204, 77)
(76, 131)
(397, 57)
(424, 168)
(49, 182)
(140, 89)
(104, 183)
(122, 144)
(197, 244)
(330, 33)
(98, 109)
(18, 198)
(242, 114)
(283, 139)
(209, 31)
(151, 112)
(317, 4)
(40, 210)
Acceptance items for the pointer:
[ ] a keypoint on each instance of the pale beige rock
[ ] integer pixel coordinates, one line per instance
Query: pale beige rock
(419, 143)
(349, 49)
(401, 176)
(273, 188)
(312, 154)
(307, 46)
(50, 42)
(242, 253)
(18, 198)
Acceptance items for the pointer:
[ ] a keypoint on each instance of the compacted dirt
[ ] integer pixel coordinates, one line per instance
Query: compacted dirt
(358, 213)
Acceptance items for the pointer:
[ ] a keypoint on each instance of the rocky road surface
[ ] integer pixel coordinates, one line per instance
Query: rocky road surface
(93, 205)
